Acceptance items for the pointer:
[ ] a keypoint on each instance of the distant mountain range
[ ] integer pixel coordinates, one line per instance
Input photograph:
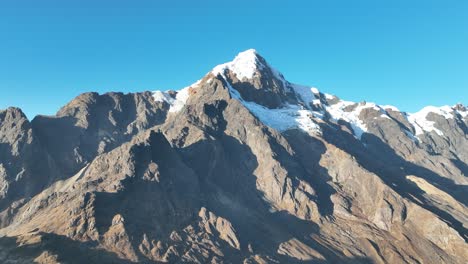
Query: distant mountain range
(240, 167)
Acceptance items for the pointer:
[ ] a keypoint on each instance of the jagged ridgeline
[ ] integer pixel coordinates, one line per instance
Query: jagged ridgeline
(240, 167)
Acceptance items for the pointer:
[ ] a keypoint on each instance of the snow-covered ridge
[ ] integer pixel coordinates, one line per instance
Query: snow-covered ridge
(390, 107)
(418, 120)
(245, 65)
(315, 106)
(176, 103)
(337, 112)
(421, 124)
(282, 119)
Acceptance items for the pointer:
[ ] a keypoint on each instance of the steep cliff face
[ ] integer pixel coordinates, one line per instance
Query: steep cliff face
(25, 167)
(92, 124)
(240, 167)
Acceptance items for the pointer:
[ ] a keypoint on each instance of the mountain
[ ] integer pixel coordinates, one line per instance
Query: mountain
(241, 167)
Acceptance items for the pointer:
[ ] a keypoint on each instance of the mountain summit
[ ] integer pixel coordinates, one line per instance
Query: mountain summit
(242, 166)
(255, 80)
(245, 65)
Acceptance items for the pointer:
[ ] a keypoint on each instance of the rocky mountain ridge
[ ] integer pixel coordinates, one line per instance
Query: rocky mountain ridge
(240, 167)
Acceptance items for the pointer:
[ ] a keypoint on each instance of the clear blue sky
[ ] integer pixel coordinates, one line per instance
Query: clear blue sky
(405, 53)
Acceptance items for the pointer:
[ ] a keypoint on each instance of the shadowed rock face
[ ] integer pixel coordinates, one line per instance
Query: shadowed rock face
(92, 124)
(266, 87)
(241, 167)
(25, 166)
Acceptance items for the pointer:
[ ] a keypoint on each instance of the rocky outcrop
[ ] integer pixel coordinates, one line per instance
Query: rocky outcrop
(25, 167)
(93, 124)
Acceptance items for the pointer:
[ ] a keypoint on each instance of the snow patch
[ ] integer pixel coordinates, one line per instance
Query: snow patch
(390, 107)
(306, 94)
(176, 104)
(414, 138)
(281, 119)
(305, 121)
(244, 65)
(337, 112)
(461, 110)
(160, 96)
(180, 100)
(420, 122)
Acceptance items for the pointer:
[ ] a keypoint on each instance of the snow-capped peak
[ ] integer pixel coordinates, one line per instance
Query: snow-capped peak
(311, 106)
(421, 123)
(248, 56)
(177, 101)
(244, 65)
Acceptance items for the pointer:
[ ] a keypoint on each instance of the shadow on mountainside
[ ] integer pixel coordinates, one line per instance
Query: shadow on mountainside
(162, 195)
(463, 167)
(62, 139)
(378, 158)
(226, 169)
(308, 151)
(92, 124)
(59, 248)
(87, 126)
(26, 175)
(52, 248)
(218, 173)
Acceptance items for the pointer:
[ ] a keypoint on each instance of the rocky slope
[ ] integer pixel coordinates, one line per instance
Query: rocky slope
(240, 167)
